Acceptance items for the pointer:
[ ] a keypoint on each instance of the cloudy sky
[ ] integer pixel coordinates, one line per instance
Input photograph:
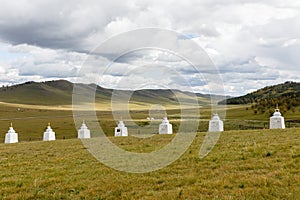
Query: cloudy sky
(252, 43)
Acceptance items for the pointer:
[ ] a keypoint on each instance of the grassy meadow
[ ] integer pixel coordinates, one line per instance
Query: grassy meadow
(244, 164)
(251, 164)
(30, 121)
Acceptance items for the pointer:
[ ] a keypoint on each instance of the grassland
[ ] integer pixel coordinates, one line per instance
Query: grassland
(252, 164)
(245, 164)
(30, 121)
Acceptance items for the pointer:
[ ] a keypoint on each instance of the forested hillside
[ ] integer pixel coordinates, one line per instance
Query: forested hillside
(286, 96)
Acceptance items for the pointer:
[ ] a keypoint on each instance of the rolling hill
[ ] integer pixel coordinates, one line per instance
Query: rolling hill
(275, 92)
(285, 95)
(59, 92)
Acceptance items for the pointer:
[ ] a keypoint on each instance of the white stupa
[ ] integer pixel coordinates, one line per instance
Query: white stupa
(165, 127)
(11, 136)
(84, 132)
(121, 129)
(277, 121)
(215, 124)
(49, 134)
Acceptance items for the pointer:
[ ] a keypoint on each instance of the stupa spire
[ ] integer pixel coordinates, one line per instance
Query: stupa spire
(49, 134)
(121, 129)
(277, 121)
(165, 127)
(11, 136)
(84, 132)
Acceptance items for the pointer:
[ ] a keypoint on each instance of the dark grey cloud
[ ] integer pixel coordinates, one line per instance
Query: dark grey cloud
(56, 24)
(39, 35)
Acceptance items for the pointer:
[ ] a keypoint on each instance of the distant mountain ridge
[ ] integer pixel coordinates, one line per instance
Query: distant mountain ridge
(59, 92)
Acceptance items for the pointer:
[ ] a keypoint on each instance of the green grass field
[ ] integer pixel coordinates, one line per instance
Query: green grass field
(245, 164)
(30, 122)
(251, 164)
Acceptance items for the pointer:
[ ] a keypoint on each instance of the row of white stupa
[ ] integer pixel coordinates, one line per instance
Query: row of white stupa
(121, 130)
(276, 122)
(215, 125)
(12, 136)
(164, 128)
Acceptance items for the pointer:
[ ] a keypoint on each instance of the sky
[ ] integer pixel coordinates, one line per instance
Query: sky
(251, 43)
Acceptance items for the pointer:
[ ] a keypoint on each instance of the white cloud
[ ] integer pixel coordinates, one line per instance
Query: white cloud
(253, 43)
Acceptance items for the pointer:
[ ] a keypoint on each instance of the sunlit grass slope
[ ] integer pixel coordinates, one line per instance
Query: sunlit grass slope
(59, 92)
